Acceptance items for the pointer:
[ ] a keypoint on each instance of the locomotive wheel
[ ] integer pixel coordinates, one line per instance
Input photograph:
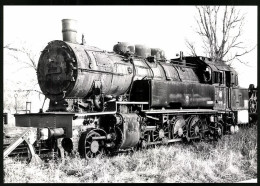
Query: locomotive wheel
(179, 128)
(252, 106)
(147, 139)
(119, 139)
(195, 127)
(219, 131)
(160, 133)
(88, 147)
(166, 130)
(205, 129)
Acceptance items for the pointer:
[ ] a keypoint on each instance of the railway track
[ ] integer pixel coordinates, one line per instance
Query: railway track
(15, 145)
(23, 149)
(22, 152)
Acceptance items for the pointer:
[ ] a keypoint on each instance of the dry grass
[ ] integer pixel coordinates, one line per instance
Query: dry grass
(232, 159)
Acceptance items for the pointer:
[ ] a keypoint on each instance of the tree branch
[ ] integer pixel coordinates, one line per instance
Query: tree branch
(191, 47)
(26, 52)
(220, 29)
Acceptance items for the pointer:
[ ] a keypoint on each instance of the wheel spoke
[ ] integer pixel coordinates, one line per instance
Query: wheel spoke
(178, 125)
(195, 127)
(86, 144)
(88, 153)
(87, 141)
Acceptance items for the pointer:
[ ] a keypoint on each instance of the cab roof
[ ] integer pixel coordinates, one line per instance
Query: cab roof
(202, 61)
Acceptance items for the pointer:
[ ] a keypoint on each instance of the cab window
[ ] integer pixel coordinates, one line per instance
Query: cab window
(219, 77)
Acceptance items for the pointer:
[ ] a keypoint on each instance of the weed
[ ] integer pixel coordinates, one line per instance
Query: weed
(231, 159)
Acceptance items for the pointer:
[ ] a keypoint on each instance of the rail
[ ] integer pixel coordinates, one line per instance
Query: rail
(29, 136)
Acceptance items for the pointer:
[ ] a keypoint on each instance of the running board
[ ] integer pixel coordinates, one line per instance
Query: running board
(181, 111)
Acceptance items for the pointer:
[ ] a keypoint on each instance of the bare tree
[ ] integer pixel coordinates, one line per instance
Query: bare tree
(24, 57)
(191, 48)
(30, 60)
(220, 28)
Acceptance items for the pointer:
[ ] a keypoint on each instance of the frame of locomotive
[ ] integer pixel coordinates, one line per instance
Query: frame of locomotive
(130, 98)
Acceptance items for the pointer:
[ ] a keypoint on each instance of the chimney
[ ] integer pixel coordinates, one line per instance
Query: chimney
(69, 31)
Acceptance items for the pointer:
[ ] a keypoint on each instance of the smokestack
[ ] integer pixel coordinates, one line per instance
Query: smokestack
(69, 31)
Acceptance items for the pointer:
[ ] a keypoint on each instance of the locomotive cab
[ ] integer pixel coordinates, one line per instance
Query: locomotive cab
(229, 97)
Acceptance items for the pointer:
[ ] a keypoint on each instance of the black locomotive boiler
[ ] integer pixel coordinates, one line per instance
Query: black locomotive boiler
(130, 98)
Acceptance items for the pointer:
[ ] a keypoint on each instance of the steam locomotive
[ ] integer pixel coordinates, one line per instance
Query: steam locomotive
(130, 98)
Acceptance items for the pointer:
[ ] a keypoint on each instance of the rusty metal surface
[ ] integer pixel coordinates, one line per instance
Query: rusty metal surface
(180, 94)
(173, 94)
(131, 130)
(239, 99)
(142, 51)
(55, 69)
(142, 69)
(170, 72)
(43, 120)
(69, 70)
(123, 47)
(158, 71)
(187, 74)
(221, 98)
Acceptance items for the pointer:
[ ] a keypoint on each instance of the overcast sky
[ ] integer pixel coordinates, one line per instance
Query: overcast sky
(164, 27)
